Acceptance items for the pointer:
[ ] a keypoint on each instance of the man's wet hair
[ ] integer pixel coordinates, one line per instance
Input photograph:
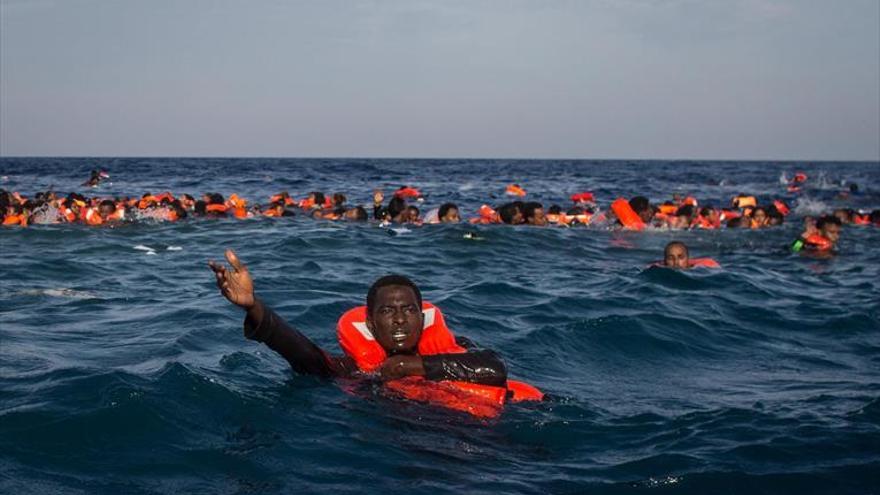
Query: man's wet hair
(530, 208)
(508, 211)
(706, 211)
(444, 209)
(554, 210)
(396, 206)
(639, 204)
(875, 216)
(216, 198)
(360, 214)
(389, 281)
(319, 198)
(200, 208)
(339, 199)
(685, 211)
(827, 220)
(107, 202)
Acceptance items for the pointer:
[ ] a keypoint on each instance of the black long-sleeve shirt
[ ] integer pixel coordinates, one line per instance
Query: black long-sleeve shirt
(305, 357)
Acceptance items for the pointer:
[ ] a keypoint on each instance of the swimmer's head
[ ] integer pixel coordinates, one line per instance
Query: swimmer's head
(356, 214)
(412, 214)
(339, 199)
(829, 227)
(394, 313)
(106, 208)
(759, 217)
(642, 207)
(448, 213)
(534, 213)
(396, 206)
(676, 256)
(511, 213)
(845, 215)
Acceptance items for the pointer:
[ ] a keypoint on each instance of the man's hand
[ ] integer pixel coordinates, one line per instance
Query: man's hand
(400, 366)
(236, 284)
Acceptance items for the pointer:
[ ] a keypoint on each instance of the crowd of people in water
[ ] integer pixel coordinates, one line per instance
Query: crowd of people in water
(402, 207)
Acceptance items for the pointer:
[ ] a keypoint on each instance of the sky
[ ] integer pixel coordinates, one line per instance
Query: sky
(641, 79)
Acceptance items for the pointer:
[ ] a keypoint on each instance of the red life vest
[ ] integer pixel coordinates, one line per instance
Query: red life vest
(583, 197)
(515, 190)
(407, 192)
(819, 242)
(627, 216)
(358, 343)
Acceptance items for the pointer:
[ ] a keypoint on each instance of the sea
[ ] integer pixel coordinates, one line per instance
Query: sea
(124, 371)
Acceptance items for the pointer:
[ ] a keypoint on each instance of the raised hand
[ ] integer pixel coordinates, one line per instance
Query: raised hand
(235, 284)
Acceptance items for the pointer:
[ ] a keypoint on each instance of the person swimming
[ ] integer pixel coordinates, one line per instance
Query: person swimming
(677, 256)
(95, 178)
(394, 321)
(820, 237)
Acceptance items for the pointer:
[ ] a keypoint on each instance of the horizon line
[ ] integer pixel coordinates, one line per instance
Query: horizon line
(275, 157)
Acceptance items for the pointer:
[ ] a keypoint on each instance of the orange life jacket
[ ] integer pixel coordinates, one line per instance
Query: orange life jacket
(781, 207)
(627, 216)
(358, 343)
(15, 220)
(800, 177)
(745, 201)
(819, 242)
(668, 209)
(583, 197)
(146, 202)
(860, 219)
(706, 222)
(92, 217)
(407, 192)
(515, 190)
(487, 215)
(216, 208)
(703, 262)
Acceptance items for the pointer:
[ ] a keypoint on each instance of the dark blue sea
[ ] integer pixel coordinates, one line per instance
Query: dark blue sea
(123, 371)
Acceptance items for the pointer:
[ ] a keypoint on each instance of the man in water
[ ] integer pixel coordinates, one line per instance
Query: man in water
(393, 317)
(676, 256)
(819, 238)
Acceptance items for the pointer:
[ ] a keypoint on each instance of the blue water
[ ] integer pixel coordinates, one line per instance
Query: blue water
(125, 372)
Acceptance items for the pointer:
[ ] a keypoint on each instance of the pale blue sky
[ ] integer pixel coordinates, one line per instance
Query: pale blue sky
(734, 79)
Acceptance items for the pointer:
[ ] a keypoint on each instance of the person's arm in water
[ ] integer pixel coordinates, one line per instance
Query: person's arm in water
(264, 325)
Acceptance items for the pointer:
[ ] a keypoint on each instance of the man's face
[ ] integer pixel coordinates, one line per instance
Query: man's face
(831, 231)
(451, 216)
(106, 210)
(676, 257)
(539, 218)
(396, 319)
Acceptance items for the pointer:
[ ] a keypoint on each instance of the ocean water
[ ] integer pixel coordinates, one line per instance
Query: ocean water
(122, 369)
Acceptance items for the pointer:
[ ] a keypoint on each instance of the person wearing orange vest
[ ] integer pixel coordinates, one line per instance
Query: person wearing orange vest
(392, 323)
(819, 238)
(677, 256)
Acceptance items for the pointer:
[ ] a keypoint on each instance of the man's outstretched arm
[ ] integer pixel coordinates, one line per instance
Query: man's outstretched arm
(264, 325)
